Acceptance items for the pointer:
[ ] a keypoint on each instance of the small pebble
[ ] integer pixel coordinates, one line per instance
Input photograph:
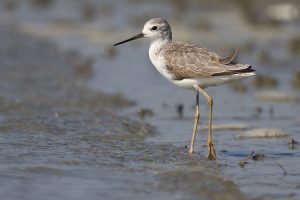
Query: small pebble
(180, 110)
(292, 143)
(258, 112)
(258, 156)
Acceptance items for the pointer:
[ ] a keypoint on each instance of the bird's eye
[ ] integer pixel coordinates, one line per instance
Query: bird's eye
(153, 28)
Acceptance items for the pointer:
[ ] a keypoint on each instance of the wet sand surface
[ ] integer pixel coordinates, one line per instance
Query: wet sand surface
(63, 137)
(60, 141)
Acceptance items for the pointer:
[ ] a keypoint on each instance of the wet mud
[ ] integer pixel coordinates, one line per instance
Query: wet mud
(62, 135)
(62, 140)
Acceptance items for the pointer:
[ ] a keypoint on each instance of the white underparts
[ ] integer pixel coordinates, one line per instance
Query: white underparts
(210, 81)
(159, 61)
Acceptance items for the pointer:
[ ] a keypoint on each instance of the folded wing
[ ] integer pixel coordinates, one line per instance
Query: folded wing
(185, 60)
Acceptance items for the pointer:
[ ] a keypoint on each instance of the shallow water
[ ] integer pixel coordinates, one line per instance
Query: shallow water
(60, 141)
(127, 70)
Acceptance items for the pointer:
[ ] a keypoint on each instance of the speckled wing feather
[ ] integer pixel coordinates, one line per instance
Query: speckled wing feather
(185, 60)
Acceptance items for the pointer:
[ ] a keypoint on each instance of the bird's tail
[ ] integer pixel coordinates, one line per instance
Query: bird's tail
(242, 69)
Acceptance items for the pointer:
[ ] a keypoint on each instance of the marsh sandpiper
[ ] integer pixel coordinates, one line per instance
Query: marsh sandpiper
(190, 66)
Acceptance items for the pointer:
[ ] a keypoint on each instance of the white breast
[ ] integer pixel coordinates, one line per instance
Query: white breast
(158, 60)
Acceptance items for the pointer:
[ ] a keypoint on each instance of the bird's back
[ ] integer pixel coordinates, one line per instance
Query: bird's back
(184, 60)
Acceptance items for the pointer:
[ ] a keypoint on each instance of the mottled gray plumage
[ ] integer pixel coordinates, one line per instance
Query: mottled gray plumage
(185, 60)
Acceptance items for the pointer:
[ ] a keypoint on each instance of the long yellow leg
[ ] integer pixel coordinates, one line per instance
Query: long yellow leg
(211, 150)
(196, 120)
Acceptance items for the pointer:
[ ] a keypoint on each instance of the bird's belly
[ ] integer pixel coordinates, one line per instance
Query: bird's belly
(189, 83)
(209, 81)
(186, 83)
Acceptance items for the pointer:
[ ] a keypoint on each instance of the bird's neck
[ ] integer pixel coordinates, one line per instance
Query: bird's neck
(157, 43)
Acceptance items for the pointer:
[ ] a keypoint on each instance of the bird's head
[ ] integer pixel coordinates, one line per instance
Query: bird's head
(154, 29)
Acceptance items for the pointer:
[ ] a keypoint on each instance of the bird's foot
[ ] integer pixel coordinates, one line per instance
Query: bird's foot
(211, 152)
(191, 151)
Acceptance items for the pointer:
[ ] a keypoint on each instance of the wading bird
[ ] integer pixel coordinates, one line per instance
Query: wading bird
(190, 66)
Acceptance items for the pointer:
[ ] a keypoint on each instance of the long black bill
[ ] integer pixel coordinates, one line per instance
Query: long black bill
(140, 35)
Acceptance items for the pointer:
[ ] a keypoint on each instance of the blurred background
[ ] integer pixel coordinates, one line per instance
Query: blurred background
(267, 35)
